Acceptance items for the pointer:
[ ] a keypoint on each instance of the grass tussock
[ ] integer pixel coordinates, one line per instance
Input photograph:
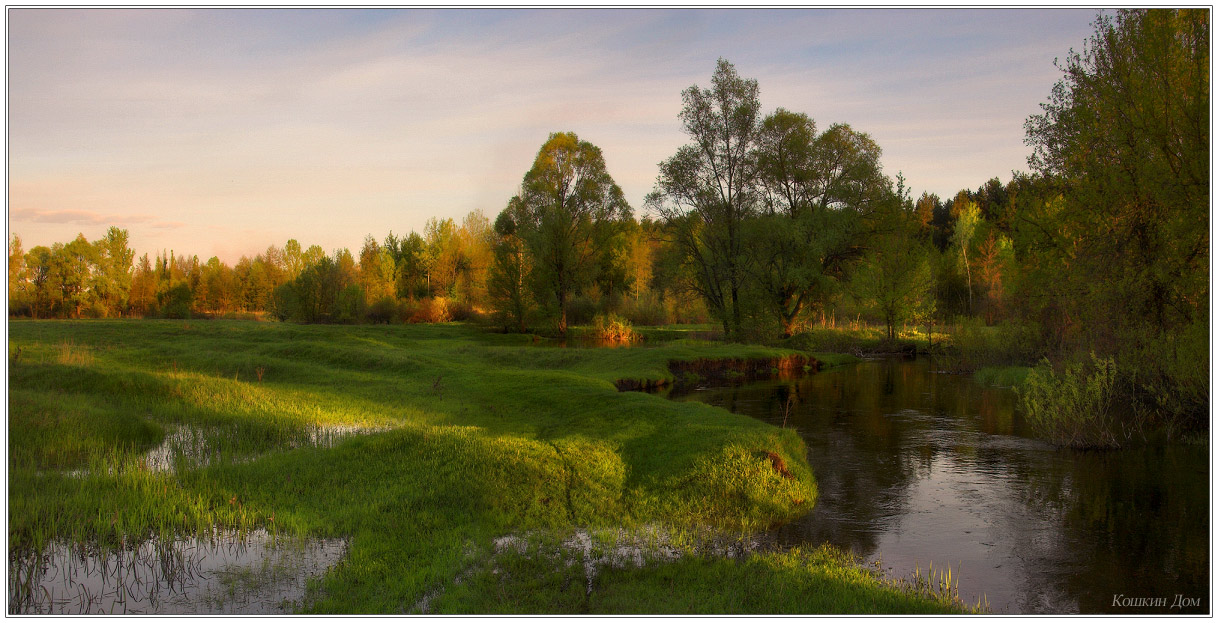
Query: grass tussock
(613, 328)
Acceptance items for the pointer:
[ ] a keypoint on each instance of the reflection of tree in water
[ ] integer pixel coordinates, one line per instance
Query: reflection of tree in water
(1069, 529)
(1132, 522)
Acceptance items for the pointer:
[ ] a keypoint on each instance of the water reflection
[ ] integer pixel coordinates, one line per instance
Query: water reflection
(915, 466)
(224, 573)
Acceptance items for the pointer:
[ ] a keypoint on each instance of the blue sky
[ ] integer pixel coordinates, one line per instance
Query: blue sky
(219, 132)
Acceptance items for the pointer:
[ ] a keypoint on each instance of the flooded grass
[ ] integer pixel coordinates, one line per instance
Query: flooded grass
(222, 573)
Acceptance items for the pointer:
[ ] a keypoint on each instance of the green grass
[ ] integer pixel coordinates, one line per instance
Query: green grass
(798, 581)
(1002, 376)
(479, 436)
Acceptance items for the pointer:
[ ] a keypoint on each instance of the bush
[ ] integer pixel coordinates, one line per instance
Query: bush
(977, 346)
(176, 301)
(431, 310)
(647, 310)
(383, 311)
(613, 328)
(582, 309)
(351, 305)
(1074, 408)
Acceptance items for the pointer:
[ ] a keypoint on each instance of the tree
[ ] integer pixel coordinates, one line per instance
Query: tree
(510, 270)
(1124, 139)
(112, 279)
(707, 190)
(1125, 134)
(477, 239)
(443, 260)
(17, 283)
(967, 220)
(44, 281)
(995, 258)
(142, 297)
(818, 189)
(218, 287)
(74, 263)
(376, 270)
(568, 213)
(895, 278)
(292, 258)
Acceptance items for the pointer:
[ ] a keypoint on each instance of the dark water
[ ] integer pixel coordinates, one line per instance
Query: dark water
(916, 467)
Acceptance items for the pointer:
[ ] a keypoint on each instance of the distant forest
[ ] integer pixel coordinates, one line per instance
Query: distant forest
(768, 224)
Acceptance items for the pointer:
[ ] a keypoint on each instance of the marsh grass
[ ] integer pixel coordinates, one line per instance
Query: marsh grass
(416, 443)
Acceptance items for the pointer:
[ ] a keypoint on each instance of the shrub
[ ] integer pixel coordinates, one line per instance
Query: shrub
(647, 310)
(383, 311)
(176, 301)
(581, 309)
(431, 310)
(613, 328)
(351, 305)
(1074, 408)
(976, 345)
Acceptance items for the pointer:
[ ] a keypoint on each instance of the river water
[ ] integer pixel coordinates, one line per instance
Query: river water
(916, 467)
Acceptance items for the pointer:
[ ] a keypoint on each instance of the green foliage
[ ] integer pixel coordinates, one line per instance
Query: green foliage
(1002, 376)
(383, 311)
(351, 305)
(706, 190)
(968, 216)
(1125, 140)
(1076, 407)
(567, 215)
(972, 345)
(895, 280)
(175, 302)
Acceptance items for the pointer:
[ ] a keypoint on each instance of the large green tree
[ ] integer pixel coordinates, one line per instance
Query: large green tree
(1124, 143)
(707, 190)
(570, 211)
(1125, 134)
(818, 192)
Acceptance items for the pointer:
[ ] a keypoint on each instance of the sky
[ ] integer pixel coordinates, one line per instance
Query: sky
(219, 132)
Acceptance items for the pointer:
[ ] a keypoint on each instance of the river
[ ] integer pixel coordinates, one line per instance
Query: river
(917, 467)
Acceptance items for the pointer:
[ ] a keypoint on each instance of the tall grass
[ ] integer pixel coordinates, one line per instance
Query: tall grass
(613, 328)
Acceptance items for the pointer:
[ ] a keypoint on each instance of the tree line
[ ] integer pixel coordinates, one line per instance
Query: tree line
(764, 223)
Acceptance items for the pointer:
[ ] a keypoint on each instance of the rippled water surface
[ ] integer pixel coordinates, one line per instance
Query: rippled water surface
(917, 467)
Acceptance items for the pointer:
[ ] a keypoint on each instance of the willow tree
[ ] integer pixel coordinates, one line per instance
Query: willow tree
(570, 210)
(707, 190)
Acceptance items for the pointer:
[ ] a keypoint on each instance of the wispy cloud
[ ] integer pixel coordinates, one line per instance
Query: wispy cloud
(85, 217)
(327, 125)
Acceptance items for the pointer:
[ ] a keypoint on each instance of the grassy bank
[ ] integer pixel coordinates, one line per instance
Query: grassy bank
(468, 436)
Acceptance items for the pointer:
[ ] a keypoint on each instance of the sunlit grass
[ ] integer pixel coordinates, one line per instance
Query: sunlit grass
(447, 438)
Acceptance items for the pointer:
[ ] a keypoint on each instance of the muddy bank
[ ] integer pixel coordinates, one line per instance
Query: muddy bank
(696, 371)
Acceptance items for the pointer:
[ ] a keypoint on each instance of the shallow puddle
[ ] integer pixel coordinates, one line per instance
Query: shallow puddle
(227, 573)
(191, 448)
